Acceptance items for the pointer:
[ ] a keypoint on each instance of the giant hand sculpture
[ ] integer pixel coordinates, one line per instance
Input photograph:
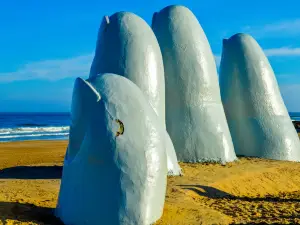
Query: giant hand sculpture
(127, 46)
(195, 116)
(115, 166)
(256, 114)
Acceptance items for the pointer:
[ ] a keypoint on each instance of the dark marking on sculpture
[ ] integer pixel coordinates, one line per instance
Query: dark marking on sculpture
(121, 128)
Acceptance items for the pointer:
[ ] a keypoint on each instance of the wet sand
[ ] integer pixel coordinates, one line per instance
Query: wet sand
(248, 191)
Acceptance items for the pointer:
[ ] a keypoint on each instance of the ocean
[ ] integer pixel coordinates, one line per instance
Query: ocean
(295, 116)
(44, 126)
(34, 126)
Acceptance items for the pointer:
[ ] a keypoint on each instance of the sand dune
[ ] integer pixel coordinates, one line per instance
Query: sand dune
(248, 191)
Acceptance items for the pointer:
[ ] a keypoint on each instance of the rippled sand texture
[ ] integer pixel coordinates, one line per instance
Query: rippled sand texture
(248, 191)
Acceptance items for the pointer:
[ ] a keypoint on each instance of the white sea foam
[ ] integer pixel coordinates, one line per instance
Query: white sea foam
(24, 130)
(33, 133)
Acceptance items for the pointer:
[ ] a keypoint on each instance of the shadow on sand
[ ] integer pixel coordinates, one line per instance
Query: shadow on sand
(214, 193)
(32, 172)
(24, 212)
(27, 213)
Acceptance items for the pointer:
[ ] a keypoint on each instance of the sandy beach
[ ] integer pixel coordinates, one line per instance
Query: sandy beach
(249, 191)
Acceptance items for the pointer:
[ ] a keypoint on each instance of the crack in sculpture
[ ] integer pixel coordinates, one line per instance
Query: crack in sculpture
(121, 127)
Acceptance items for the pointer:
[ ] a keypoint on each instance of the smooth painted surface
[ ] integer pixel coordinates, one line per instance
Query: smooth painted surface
(172, 162)
(83, 101)
(257, 116)
(127, 46)
(195, 116)
(117, 173)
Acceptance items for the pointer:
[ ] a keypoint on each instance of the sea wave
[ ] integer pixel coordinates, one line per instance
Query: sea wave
(24, 130)
(34, 133)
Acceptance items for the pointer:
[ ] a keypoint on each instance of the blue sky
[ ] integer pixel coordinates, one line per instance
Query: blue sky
(45, 45)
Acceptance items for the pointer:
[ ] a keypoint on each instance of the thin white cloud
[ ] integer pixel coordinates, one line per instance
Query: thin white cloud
(277, 29)
(272, 52)
(51, 69)
(288, 79)
(286, 76)
(290, 94)
(284, 51)
(291, 26)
